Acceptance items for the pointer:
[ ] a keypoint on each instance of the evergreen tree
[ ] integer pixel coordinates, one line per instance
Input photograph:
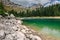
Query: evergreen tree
(53, 10)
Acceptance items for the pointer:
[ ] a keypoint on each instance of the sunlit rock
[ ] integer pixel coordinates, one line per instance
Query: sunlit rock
(12, 29)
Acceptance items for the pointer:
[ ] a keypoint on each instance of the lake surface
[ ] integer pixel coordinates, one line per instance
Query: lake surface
(49, 26)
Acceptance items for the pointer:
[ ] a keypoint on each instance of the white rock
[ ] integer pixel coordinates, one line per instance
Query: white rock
(19, 22)
(2, 34)
(9, 37)
(24, 31)
(20, 36)
(0, 16)
(12, 15)
(15, 28)
(9, 27)
(36, 38)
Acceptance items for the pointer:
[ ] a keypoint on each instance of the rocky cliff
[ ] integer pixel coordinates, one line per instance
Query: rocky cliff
(9, 5)
(12, 29)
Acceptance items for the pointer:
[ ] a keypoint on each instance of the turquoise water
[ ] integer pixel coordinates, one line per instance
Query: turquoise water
(51, 26)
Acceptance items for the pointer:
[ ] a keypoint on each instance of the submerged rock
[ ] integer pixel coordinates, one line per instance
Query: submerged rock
(12, 29)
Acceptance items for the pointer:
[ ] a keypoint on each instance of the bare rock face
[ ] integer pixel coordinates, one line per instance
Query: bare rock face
(12, 29)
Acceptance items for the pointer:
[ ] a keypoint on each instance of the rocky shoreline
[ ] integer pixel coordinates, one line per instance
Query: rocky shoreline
(12, 29)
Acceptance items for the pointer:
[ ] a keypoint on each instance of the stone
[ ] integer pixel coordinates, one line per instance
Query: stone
(2, 34)
(12, 29)
(0, 16)
(15, 28)
(9, 37)
(12, 16)
(36, 38)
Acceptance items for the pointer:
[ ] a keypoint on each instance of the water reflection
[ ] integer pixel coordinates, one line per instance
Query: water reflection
(51, 31)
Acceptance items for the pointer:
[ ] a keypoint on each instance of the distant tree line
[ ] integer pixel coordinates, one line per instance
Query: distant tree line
(53, 10)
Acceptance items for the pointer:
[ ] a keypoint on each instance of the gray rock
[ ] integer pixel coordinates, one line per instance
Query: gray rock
(0, 16)
(12, 29)
(12, 16)
(9, 37)
(2, 34)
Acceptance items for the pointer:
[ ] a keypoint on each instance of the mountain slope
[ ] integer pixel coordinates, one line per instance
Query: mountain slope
(52, 2)
(26, 3)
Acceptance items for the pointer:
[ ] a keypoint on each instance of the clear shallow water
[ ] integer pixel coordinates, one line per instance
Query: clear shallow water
(49, 26)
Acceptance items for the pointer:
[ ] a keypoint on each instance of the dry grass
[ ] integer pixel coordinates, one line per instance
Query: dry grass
(8, 8)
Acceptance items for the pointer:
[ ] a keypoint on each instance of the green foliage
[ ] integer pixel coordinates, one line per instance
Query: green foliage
(2, 10)
(53, 10)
